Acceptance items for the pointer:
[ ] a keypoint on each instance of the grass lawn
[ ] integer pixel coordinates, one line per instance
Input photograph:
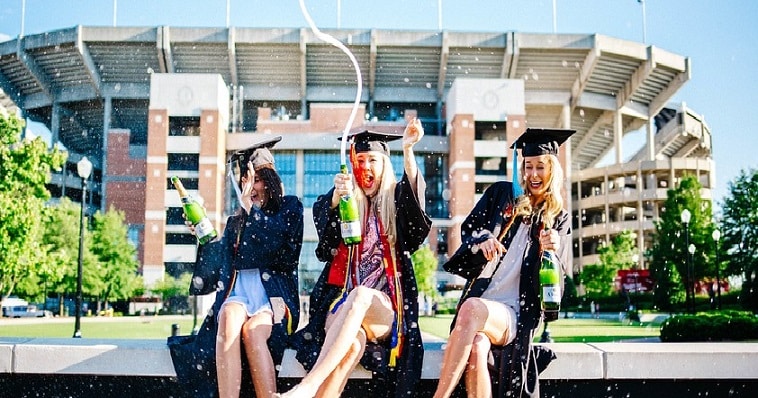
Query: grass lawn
(562, 330)
(152, 327)
(565, 330)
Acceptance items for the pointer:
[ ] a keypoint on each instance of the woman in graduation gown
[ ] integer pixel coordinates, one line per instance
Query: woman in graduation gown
(503, 239)
(257, 304)
(364, 306)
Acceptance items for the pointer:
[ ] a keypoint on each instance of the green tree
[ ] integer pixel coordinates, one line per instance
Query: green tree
(60, 243)
(116, 255)
(425, 268)
(617, 255)
(174, 292)
(24, 170)
(668, 256)
(739, 226)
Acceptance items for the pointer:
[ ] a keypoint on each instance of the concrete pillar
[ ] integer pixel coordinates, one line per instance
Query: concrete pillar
(462, 175)
(618, 130)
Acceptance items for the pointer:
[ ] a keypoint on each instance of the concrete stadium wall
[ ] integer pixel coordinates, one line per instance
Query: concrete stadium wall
(143, 368)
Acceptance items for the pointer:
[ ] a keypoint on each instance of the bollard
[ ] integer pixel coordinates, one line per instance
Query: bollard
(174, 329)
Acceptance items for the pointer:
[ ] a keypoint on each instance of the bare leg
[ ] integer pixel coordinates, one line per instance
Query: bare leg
(335, 383)
(255, 333)
(474, 316)
(477, 374)
(228, 349)
(364, 308)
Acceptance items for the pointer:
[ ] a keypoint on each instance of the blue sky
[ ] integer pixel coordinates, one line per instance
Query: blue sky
(720, 38)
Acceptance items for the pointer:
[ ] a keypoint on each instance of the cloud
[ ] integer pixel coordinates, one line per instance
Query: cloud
(4, 37)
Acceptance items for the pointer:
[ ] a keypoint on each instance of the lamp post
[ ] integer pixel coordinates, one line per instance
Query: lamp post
(691, 272)
(83, 168)
(716, 236)
(686, 215)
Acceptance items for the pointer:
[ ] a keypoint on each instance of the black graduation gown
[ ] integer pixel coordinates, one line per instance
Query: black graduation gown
(412, 228)
(486, 220)
(268, 241)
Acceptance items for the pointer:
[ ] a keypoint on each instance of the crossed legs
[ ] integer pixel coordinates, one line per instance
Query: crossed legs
(366, 315)
(236, 328)
(480, 324)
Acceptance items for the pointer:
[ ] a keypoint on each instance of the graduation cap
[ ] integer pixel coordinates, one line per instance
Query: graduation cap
(365, 141)
(536, 142)
(257, 153)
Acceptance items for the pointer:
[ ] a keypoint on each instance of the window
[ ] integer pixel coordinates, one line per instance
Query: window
(319, 173)
(180, 239)
(183, 161)
(286, 166)
(183, 126)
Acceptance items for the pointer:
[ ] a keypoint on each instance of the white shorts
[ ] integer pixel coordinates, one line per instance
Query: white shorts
(249, 292)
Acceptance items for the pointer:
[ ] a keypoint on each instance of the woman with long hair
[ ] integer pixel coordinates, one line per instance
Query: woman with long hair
(503, 239)
(364, 307)
(257, 304)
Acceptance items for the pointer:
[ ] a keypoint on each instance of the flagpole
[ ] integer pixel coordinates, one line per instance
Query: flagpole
(555, 23)
(644, 22)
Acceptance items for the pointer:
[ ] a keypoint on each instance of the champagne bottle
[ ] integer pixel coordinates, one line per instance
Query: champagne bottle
(550, 280)
(350, 223)
(204, 229)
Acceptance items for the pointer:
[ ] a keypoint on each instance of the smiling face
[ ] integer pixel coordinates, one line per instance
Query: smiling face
(254, 190)
(368, 169)
(537, 175)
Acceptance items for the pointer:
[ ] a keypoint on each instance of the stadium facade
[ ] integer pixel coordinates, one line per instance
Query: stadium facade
(145, 103)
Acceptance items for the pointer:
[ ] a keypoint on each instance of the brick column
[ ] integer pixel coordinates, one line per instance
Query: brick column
(156, 170)
(462, 172)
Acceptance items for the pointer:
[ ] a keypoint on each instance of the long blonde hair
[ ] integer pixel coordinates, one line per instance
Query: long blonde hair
(553, 200)
(384, 201)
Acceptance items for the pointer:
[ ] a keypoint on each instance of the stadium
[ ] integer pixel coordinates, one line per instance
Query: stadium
(145, 103)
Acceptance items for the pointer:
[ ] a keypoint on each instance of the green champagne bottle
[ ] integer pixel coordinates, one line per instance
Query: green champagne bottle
(350, 223)
(550, 280)
(204, 229)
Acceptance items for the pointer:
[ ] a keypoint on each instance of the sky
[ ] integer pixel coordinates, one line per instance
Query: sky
(719, 37)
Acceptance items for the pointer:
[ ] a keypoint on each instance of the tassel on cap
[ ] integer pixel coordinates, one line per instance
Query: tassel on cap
(517, 190)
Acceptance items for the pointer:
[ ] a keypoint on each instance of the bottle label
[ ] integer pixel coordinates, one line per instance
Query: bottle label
(204, 228)
(350, 229)
(551, 293)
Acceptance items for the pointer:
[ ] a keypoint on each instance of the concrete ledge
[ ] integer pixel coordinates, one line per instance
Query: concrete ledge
(576, 361)
(680, 360)
(86, 357)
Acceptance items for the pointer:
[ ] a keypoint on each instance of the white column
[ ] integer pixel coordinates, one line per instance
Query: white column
(617, 135)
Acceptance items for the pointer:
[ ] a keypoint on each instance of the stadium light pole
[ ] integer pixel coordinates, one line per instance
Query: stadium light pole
(716, 235)
(686, 216)
(83, 168)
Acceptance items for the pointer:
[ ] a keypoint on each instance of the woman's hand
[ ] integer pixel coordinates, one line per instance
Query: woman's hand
(247, 188)
(413, 133)
(491, 248)
(188, 224)
(549, 240)
(343, 185)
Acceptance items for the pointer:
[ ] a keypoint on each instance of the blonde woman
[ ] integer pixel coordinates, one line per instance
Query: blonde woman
(364, 307)
(502, 243)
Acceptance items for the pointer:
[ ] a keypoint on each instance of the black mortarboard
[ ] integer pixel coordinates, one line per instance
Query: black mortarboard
(536, 142)
(365, 140)
(257, 153)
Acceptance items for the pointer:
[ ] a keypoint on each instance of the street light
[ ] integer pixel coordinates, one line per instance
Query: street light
(686, 215)
(83, 168)
(716, 236)
(691, 272)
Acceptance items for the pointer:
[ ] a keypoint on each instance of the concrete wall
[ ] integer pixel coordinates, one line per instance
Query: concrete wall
(125, 368)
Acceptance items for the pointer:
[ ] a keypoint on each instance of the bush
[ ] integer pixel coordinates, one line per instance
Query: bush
(712, 326)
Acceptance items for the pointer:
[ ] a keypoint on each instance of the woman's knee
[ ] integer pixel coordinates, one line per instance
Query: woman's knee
(257, 329)
(361, 297)
(472, 312)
